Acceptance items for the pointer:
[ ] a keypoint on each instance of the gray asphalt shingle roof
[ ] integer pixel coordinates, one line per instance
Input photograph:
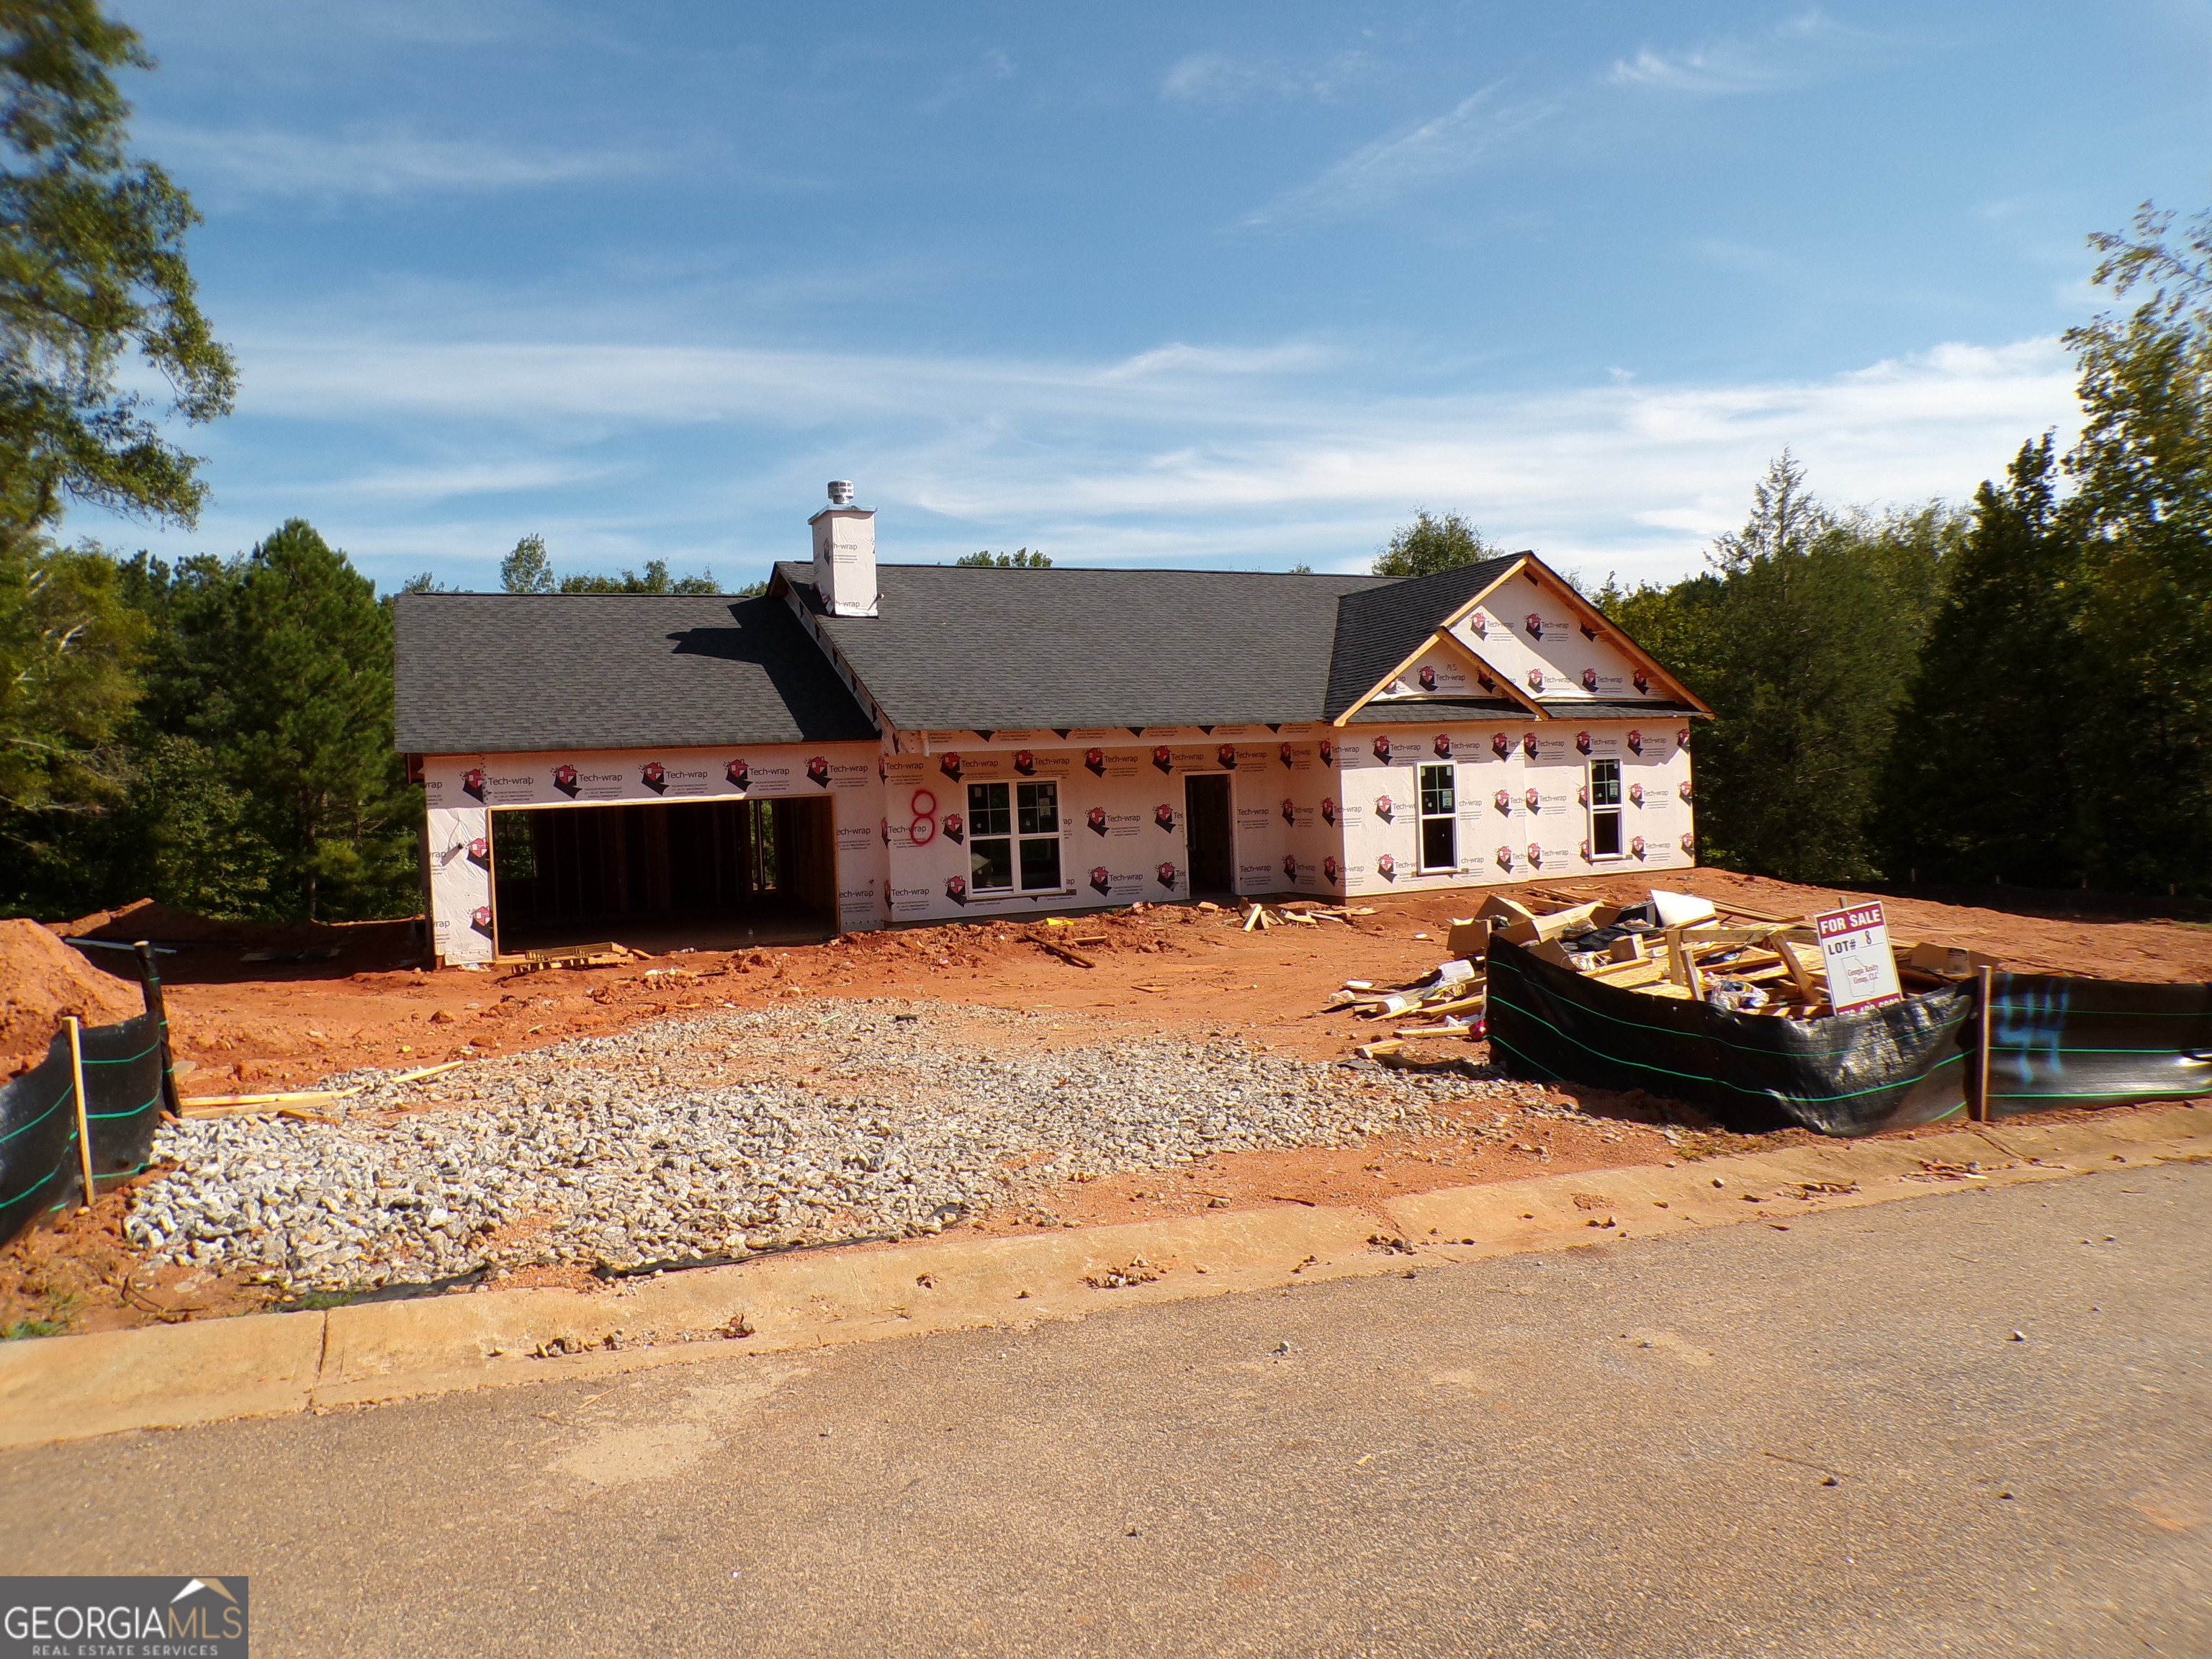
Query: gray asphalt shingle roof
(1577, 710)
(500, 672)
(954, 647)
(1420, 711)
(1378, 628)
(964, 647)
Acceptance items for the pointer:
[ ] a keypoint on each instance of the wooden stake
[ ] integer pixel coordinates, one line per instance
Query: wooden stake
(1986, 975)
(1799, 975)
(77, 1088)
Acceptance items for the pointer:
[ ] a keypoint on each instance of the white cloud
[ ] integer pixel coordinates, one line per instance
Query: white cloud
(264, 161)
(1215, 77)
(408, 485)
(1785, 56)
(1246, 456)
(1294, 357)
(1476, 130)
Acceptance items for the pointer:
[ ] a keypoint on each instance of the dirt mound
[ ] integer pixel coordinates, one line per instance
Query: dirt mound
(41, 979)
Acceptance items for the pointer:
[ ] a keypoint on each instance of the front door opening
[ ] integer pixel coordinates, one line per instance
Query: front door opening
(664, 873)
(1207, 836)
(1605, 808)
(1439, 820)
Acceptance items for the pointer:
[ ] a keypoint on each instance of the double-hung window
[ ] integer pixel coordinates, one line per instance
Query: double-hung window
(1013, 837)
(1439, 819)
(1605, 808)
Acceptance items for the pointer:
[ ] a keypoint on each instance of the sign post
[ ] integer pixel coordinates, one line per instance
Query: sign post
(1855, 950)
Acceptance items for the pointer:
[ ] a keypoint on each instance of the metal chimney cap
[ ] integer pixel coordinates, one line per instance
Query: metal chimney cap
(840, 492)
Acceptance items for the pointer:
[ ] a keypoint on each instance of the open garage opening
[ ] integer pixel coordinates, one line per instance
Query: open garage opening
(658, 876)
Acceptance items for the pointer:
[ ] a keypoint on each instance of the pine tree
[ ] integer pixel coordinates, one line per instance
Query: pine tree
(295, 655)
(92, 267)
(1806, 644)
(1986, 776)
(2143, 506)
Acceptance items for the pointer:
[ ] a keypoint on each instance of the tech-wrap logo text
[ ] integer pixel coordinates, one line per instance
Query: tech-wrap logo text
(137, 1618)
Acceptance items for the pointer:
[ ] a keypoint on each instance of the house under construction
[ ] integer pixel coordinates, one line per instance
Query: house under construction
(872, 744)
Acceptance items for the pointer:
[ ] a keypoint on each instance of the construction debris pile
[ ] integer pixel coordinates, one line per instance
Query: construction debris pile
(1741, 960)
(1667, 944)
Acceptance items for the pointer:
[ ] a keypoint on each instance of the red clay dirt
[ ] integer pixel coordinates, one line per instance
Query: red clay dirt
(41, 980)
(1180, 970)
(1166, 969)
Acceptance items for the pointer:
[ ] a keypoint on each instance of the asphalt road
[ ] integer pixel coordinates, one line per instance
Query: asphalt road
(1747, 1441)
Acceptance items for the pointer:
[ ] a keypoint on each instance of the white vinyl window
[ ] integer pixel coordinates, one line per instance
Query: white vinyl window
(1439, 819)
(1605, 808)
(1014, 834)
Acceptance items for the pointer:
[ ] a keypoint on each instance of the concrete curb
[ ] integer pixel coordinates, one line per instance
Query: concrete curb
(74, 1388)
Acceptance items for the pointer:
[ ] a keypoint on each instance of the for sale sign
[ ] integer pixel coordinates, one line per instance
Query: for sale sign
(1855, 949)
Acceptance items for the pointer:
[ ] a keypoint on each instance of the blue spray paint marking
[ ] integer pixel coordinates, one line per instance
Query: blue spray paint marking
(2028, 1028)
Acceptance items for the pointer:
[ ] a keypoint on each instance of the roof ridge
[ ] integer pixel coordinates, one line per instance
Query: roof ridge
(1120, 570)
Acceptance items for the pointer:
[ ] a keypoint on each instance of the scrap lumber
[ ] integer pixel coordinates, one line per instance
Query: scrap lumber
(1682, 965)
(1730, 906)
(1800, 974)
(1469, 936)
(1060, 951)
(1776, 953)
(422, 1072)
(1545, 928)
(283, 1098)
(605, 954)
(1631, 976)
(291, 1104)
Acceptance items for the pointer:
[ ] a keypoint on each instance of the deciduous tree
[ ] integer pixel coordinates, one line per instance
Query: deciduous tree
(1433, 542)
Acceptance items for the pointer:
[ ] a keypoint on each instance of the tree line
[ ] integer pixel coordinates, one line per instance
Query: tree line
(2018, 690)
(217, 733)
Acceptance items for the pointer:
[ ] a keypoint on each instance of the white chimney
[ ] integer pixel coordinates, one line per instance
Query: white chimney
(845, 554)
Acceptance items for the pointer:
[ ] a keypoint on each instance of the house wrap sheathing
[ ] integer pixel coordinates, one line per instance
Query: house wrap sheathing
(869, 744)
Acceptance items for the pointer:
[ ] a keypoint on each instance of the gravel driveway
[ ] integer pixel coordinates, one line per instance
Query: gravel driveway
(740, 1132)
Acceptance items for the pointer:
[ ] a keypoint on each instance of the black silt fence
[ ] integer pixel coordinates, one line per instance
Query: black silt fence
(129, 1082)
(2054, 1042)
(39, 1167)
(1852, 1074)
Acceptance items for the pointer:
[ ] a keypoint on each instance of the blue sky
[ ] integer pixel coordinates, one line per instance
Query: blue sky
(1232, 285)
